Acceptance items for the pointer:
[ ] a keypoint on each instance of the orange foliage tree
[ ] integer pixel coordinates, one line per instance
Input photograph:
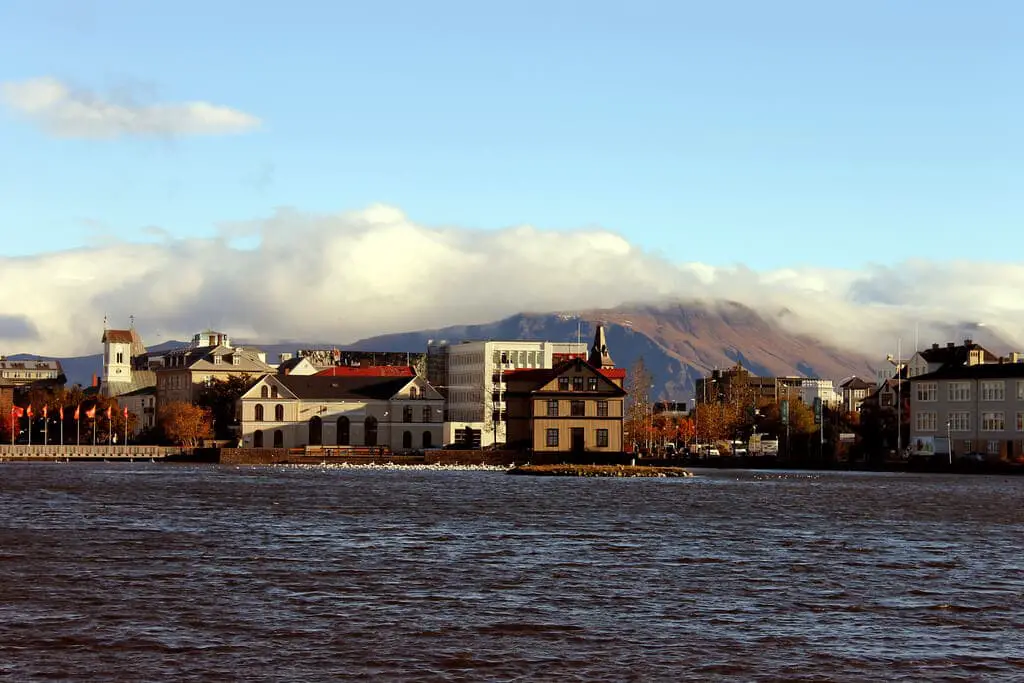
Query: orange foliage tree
(185, 424)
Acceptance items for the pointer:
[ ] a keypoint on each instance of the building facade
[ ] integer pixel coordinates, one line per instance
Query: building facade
(24, 374)
(576, 407)
(970, 408)
(471, 376)
(290, 411)
(184, 372)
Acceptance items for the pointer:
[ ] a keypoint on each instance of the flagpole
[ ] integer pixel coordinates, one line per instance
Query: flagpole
(62, 425)
(78, 425)
(46, 427)
(29, 411)
(125, 426)
(110, 427)
(94, 429)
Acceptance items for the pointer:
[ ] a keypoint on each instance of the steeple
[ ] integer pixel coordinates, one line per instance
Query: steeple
(599, 356)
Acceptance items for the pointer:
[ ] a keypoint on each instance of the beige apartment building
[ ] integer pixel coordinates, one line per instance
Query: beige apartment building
(978, 408)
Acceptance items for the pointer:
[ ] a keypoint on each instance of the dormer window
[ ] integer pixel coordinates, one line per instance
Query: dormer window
(217, 360)
(235, 359)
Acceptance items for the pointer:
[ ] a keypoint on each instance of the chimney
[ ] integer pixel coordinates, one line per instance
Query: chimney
(285, 356)
(950, 345)
(968, 342)
(935, 346)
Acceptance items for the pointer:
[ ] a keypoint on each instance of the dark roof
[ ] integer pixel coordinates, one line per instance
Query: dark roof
(982, 371)
(541, 376)
(855, 383)
(289, 364)
(317, 386)
(956, 355)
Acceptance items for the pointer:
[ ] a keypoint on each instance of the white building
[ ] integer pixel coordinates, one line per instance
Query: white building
(292, 411)
(811, 388)
(473, 383)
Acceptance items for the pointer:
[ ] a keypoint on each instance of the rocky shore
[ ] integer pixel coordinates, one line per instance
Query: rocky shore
(599, 471)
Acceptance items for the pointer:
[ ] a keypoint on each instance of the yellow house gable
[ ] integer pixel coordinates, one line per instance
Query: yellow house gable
(585, 372)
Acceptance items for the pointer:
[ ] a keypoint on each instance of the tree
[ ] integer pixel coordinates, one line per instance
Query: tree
(638, 419)
(185, 424)
(221, 396)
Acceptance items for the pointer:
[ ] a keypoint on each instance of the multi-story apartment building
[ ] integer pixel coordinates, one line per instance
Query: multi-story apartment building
(937, 357)
(471, 377)
(18, 374)
(978, 408)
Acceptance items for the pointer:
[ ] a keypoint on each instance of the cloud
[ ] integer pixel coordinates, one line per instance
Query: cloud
(338, 278)
(66, 112)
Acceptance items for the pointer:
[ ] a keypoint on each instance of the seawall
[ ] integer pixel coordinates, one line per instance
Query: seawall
(40, 452)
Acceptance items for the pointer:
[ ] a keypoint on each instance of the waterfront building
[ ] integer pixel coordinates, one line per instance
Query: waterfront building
(471, 374)
(400, 413)
(575, 407)
(26, 374)
(976, 408)
(211, 356)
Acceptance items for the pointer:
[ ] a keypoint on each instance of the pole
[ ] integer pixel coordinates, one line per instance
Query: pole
(125, 416)
(94, 430)
(899, 400)
(949, 442)
(62, 427)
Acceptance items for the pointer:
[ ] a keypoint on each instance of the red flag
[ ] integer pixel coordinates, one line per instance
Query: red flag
(28, 411)
(60, 410)
(17, 412)
(108, 412)
(78, 412)
(45, 411)
(91, 412)
(125, 412)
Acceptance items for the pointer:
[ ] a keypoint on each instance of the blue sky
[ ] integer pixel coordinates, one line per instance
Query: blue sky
(767, 134)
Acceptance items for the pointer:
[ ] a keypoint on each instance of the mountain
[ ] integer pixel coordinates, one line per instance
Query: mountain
(678, 343)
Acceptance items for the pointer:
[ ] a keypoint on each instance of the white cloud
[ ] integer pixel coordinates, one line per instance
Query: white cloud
(73, 113)
(338, 278)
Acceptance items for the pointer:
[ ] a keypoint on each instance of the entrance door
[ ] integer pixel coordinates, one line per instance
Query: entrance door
(578, 440)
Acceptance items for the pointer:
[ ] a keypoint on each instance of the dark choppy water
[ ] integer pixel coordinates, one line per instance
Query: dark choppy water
(159, 572)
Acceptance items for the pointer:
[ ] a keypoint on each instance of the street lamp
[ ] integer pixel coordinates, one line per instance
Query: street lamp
(949, 440)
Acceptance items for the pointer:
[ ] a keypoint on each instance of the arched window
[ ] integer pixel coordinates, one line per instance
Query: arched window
(344, 431)
(258, 412)
(273, 392)
(279, 413)
(264, 391)
(370, 431)
(407, 414)
(428, 440)
(413, 394)
(257, 439)
(406, 439)
(278, 438)
(316, 431)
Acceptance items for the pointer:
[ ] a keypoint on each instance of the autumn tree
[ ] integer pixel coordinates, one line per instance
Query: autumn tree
(221, 396)
(638, 418)
(185, 424)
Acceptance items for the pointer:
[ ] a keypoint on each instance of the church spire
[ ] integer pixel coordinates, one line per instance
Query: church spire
(599, 356)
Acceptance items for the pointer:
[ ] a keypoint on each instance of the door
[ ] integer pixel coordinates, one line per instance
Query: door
(578, 440)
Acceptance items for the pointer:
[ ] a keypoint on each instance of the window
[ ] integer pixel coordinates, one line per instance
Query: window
(278, 438)
(993, 422)
(577, 384)
(264, 391)
(413, 393)
(959, 391)
(968, 445)
(406, 439)
(258, 413)
(370, 431)
(427, 417)
(602, 438)
(925, 421)
(316, 431)
(1020, 390)
(577, 408)
(563, 384)
(552, 438)
(591, 384)
(993, 391)
(552, 408)
(407, 414)
(257, 439)
(217, 360)
(1020, 422)
(927, 391)
(428, 440)
(120, 357)
(602, 408)
(279, 413)
(344, 431)
(959, 421)
(994, 447)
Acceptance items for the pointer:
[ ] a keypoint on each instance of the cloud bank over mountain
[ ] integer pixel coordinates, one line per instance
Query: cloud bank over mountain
(342, 277)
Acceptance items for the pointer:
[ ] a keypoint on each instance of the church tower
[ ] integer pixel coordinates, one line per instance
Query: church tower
(117, 360)
(599, 356)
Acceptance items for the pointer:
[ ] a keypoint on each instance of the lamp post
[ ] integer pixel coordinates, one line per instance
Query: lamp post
(949, 440)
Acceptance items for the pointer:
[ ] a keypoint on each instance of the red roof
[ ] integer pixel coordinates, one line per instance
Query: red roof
(368, 371)
(540, 374)
(614, 373)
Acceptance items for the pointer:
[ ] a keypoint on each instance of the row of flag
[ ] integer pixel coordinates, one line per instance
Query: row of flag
(17, 412)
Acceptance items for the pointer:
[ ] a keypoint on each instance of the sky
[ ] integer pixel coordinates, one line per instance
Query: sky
(853, 151)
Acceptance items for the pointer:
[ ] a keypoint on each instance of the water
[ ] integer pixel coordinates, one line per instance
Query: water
(161, 572)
